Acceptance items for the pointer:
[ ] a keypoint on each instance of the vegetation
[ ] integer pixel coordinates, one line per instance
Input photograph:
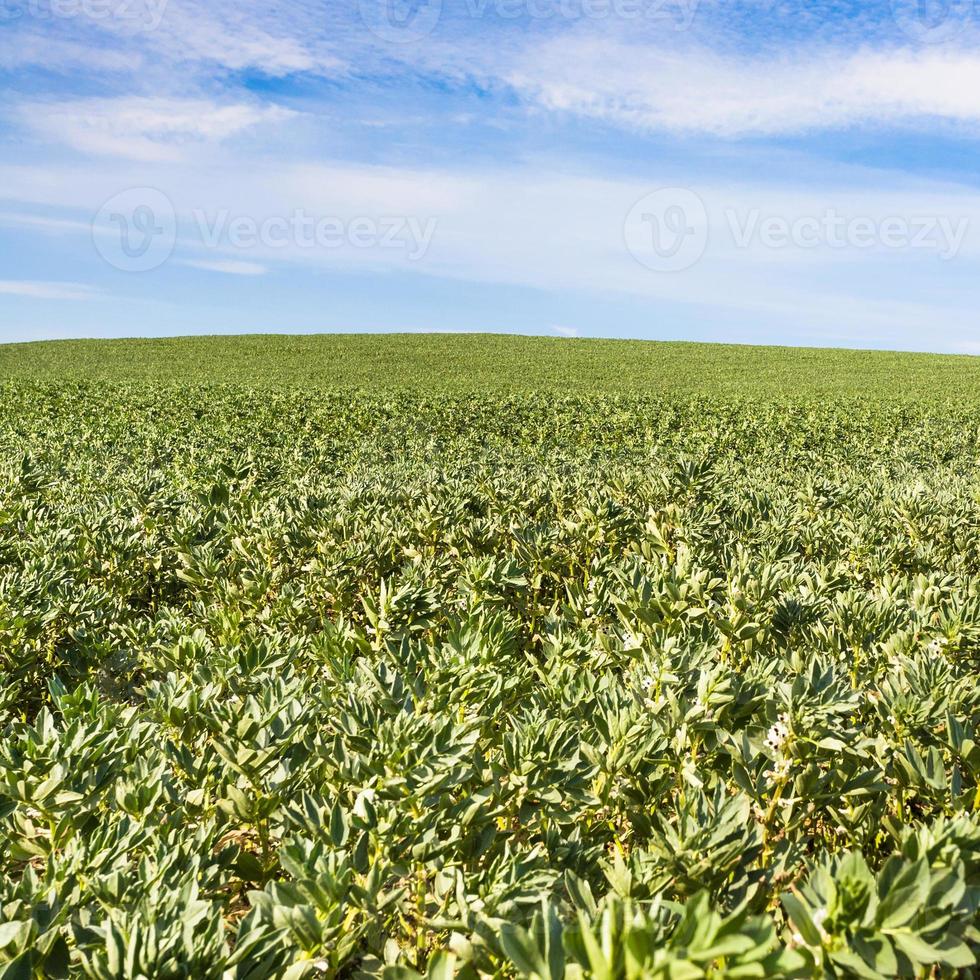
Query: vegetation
(314, 679)
(451, 363)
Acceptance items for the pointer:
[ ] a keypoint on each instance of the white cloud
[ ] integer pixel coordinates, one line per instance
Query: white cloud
(47, 290)
(565, 331)
(160, 37)
(27, 48)
(546, 230)
(696, 90)
(38, 222)
(145, 129)
(277, 40)
(230, 267)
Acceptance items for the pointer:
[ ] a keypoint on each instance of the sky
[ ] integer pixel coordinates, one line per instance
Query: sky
(748, 171)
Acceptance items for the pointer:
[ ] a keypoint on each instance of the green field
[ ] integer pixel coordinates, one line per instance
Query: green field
(487, 656)
(458, 362)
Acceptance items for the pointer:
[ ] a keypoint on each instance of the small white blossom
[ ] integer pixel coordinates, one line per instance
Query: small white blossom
(780, 771)
(778, 734)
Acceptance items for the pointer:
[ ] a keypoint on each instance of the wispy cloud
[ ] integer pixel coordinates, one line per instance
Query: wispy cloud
(47, 290)
(147, 129)
(565, 331)
(40, 222)
(156, 36)
(277, 39)
(31, 47)
(700, 91)
(535, 227)
(229, 267)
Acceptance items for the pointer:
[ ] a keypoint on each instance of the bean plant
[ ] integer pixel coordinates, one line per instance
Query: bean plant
(308, 683)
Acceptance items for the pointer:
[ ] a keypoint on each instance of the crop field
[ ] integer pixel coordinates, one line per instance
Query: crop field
(487, 657)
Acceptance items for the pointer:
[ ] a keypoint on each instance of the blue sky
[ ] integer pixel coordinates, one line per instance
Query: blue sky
(763, 171)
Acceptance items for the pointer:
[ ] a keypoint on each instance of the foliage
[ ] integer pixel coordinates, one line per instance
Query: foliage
(450, 363)
(310, 683)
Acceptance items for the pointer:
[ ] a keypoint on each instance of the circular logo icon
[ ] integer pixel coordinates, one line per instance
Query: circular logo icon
(401, 21)
(11, 10)
(932, 21)
(667, 230)
(136, 231)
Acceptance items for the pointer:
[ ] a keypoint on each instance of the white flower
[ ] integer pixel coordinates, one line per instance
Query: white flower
(779, 772)
(777, 735)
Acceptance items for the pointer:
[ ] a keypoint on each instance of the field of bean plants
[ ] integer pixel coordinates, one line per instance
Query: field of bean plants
(485, 672)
